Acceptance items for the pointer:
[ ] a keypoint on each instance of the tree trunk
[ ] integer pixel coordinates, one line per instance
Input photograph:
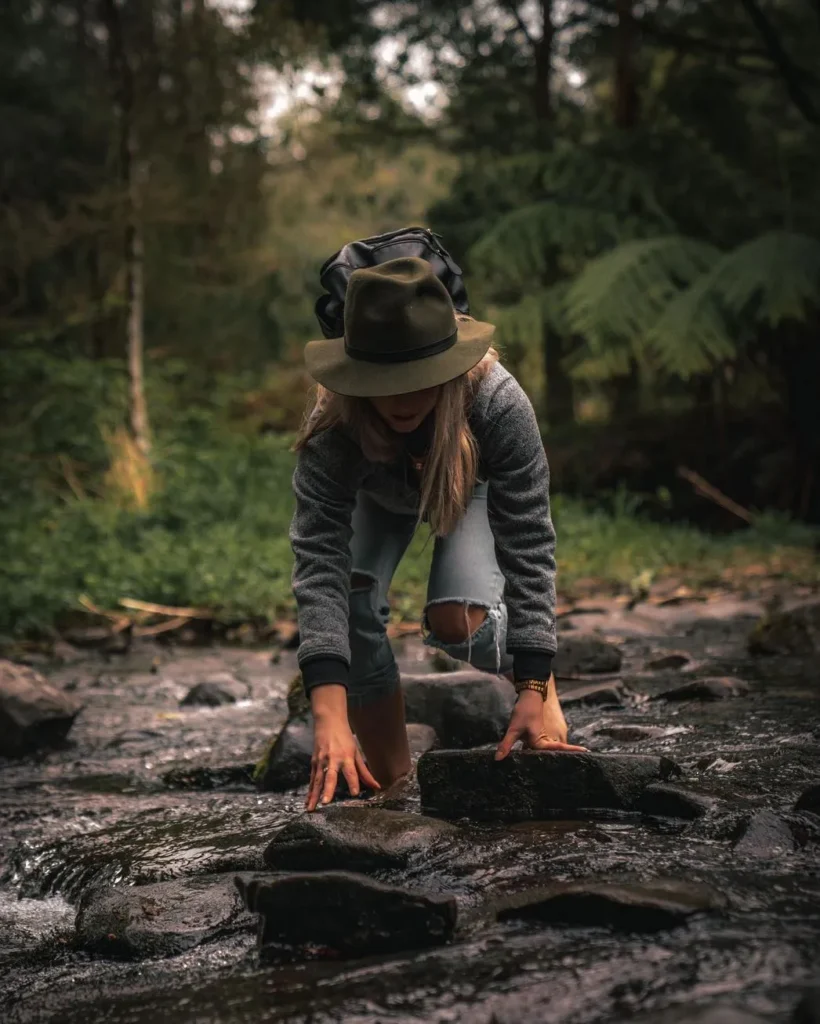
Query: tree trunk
(626, 90)
(131, 173)
(543, 72)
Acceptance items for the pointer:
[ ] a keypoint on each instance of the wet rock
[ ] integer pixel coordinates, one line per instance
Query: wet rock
(362, 839)
(298, 701)
(211, 693)
(632, 733)
(793, 632)
(466, 709)
(163, 919)
(626, 906)
(663, 800)
(584, 654)
(347, 913)
(712, 688)
(602, 694)
(34, 715)
(145, 848)
(129, 736)
(530, 785)
(770, 835)
(670, 660)
(809, 799)
(207, 777)
(807, 1010)
(421, 738)
(287, 764)
(27, 923)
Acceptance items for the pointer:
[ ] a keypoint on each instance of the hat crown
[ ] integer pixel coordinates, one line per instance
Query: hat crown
(397, 310)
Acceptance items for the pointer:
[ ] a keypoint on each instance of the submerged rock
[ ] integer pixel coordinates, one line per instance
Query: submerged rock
(668, 801)
(712, 688)
(627, 906)
(530, 785)
(212, 693)
(34, 715)
(605, 694)
(287, 764)
(769, 835)
(162, 919)
(466, 709)
(362, 839)
(207, 777)
(350, 914)
(146, 848)
(632, 733)
(672, 659)
(584, 654)
(793, 632)
(809, 799)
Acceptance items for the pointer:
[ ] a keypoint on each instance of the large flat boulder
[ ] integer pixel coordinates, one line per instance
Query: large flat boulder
(163, 919)
(529, 785)
(361, 839)
(34, 715)
(346, 913)
(466, 709)
(626, 905)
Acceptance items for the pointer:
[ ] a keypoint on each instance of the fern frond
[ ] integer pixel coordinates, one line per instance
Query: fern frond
(625, 291)
(521, 324)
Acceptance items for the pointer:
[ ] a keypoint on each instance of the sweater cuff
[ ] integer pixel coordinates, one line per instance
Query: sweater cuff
(531, 665)
(322, 669)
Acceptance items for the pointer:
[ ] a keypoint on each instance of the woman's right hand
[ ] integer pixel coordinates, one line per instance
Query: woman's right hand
(335, 749)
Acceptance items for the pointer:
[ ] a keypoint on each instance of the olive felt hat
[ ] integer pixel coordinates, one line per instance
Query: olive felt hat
(401, 334)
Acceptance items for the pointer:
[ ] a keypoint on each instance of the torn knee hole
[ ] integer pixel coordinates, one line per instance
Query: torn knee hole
(454, 623)
(360, 581)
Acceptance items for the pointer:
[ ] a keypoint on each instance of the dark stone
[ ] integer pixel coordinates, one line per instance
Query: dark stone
(809, 799)
(531, 785)
(602, 694)
(211, 693)
(362, 839)
(163, 919)
(585, 654)
(671, 660)
(347, 913)
(128, 736)
(206, 777)
(627, 906)
(34, 715)
(287, 765)
(706, 1015)
(770, 835)
(807, 1010)
(145, 848)
(663, 800)
(466, 709)
(100, 638)
(794, 632)
(713, 688)
(631, 733)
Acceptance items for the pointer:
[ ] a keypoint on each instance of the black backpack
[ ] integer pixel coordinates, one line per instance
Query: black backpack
(368, 252)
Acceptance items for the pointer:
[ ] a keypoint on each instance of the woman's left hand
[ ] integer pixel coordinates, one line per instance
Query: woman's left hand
(539, 723)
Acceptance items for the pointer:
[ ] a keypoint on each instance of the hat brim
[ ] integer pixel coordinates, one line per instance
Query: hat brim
(328, 363)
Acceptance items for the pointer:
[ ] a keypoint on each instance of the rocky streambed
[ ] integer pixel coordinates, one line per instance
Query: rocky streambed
(670, 875)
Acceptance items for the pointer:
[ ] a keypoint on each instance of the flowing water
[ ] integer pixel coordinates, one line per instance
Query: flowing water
(99, 812)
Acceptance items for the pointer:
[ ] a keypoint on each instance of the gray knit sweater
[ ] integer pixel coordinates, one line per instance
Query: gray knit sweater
(331, 469)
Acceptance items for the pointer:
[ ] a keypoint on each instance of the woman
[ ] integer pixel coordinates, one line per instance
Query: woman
(416, 420)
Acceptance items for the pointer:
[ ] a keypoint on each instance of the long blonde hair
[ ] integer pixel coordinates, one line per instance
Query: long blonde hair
(449, 472)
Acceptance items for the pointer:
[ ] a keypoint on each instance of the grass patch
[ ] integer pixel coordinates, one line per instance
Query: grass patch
(215, 536)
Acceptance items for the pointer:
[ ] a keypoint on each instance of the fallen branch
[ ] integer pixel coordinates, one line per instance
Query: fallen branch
(164, 609)
(706, 490)
(161, 627)
(120, 619)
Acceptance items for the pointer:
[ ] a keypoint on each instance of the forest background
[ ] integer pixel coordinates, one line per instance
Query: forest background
(631, 189)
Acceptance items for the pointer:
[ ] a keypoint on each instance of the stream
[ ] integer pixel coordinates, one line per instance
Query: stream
(109, 809)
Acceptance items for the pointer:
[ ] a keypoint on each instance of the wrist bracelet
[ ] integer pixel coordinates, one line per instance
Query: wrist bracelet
(539, 685)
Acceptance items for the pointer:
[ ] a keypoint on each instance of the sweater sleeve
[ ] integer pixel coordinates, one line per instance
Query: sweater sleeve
(518, 506)
(325, 485)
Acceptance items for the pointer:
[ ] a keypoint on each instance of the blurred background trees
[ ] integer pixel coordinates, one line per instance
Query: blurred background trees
(631, 188)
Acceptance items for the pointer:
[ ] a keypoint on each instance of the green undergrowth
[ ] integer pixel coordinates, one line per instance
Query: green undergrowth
(215, 536)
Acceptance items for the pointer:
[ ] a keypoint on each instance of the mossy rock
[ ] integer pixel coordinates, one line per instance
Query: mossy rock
(298, 707)
(793, 632)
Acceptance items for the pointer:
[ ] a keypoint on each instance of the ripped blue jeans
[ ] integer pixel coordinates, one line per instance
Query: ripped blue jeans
(464, 570)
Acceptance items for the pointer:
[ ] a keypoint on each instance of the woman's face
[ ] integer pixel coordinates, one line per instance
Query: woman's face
(405, 412)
